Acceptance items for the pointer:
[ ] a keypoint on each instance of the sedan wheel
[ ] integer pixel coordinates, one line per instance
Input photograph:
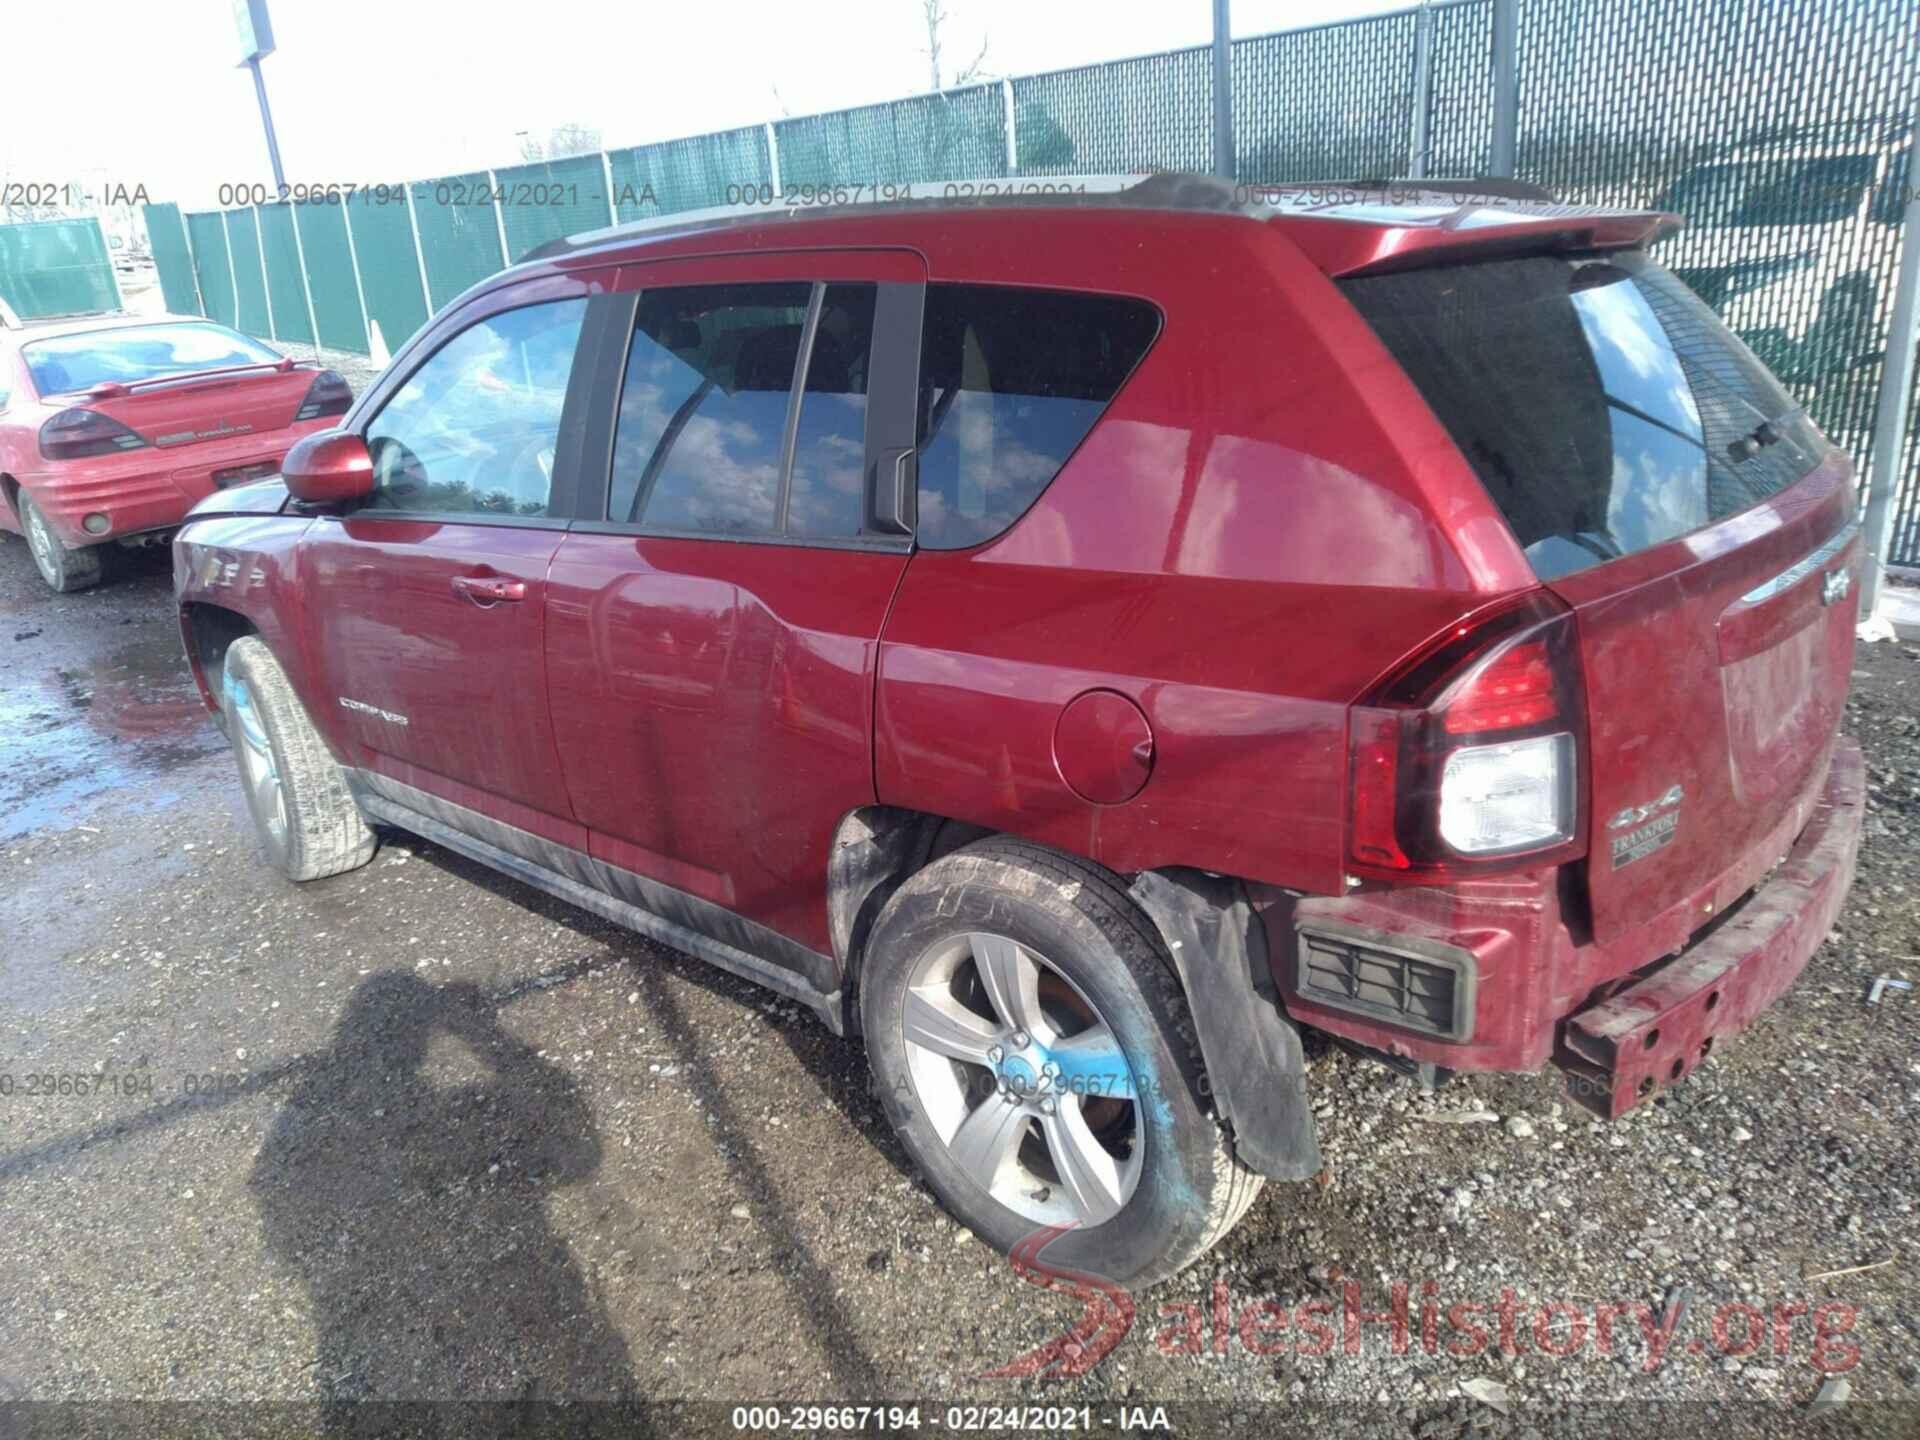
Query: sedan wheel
(65, 568)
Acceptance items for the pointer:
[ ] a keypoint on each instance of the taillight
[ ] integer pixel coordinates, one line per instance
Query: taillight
(78, 434)
(1468, 758)
(328, 395)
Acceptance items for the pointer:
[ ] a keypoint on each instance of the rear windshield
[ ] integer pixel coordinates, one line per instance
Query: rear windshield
(67, 363)
(1602, 404)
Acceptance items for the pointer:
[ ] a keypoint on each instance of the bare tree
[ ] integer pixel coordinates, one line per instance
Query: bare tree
(969, 74)
(570, 138)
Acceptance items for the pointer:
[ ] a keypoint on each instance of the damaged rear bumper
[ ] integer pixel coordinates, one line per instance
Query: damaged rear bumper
(1626, 1048)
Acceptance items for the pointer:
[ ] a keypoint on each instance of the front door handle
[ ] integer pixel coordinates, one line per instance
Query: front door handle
(486, 590)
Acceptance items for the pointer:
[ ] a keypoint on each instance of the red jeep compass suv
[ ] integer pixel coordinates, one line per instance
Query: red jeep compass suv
(1078, 642)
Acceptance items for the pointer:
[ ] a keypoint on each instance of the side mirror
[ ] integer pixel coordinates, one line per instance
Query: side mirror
(330, 468)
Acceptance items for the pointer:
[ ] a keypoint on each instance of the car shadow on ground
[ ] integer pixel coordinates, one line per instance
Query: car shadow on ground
(414, 1211)
(837, 1066)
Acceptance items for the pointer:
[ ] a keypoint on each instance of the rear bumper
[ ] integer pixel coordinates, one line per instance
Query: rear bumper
(1651, 1034)
(1494, 975)
(152, 488)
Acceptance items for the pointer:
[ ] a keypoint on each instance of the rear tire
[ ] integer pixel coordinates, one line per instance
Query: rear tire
(64, 567)
(296, 791)
(1164, 1186)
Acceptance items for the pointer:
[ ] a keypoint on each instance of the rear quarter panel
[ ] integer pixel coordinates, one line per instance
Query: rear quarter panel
(1265, 519)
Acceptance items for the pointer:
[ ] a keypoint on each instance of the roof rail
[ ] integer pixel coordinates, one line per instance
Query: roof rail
(1160, 190)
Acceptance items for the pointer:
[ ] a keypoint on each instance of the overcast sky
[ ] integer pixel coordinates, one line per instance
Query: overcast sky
(138, 92)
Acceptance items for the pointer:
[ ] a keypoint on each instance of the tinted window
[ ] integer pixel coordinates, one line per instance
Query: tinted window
(1010, 383)
(1602, 404)
(703, 409)
(474, 429)
(67, 363)
(828, 490)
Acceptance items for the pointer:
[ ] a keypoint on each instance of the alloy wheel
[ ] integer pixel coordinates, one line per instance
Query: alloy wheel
(1023, 1080)
(41, 542)
(258, 771)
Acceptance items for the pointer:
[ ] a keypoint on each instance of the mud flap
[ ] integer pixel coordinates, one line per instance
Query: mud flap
(1252, 1050)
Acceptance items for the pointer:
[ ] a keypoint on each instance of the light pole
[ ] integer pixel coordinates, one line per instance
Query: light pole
(256, 43)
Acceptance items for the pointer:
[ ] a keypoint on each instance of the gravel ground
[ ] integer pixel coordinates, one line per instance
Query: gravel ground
(421, 1132)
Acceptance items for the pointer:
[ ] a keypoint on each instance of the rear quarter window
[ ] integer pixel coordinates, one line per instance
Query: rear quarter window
(1011, 381)
(1603, 406)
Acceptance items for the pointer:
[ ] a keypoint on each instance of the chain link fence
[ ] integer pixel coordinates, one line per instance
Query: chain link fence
(1780, 128)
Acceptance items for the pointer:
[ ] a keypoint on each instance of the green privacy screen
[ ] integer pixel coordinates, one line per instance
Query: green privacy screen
(651, 180)
(459, 233)
(249, 276)
(286, 286)
(56, 267)
(211, 267)
(1328, 103)
(330, 275)
(961, 134)
(1155, 112)
(552, 199)
(167, 240)
(389, 267)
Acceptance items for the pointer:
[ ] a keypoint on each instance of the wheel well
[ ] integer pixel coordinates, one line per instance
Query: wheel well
(210, 630)
(875, 849)
(10, 488)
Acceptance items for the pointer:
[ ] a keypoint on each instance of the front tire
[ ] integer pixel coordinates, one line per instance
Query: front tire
(1034, 1051)
(296, 791)
(64, 567)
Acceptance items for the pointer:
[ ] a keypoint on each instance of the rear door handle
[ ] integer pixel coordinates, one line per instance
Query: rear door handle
(486, 590)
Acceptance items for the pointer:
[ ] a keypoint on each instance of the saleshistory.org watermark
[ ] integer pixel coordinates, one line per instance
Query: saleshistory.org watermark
(1418, 1316)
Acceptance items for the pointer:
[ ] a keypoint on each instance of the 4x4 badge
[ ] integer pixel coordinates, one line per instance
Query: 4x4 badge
(1835, 585)
(1662, 819)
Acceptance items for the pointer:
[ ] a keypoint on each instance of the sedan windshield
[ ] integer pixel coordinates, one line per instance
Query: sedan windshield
(68, 363)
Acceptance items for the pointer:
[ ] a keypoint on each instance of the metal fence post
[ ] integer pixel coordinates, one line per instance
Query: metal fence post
(1013, 150)
(1222, 90)
(499, 216)
(233, 271)
(1506, 88)
(300, 254)
(606, 171)
(419, 251)
(1896, 398)
(260, 244)
(359, 290)
(773, 160)
(1422, 91)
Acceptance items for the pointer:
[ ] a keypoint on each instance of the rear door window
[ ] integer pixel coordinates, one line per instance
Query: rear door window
(1011, 381)
(708, 408)
(1603, 406)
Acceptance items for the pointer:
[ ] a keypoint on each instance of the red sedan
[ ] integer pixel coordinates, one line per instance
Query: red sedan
(111, 428)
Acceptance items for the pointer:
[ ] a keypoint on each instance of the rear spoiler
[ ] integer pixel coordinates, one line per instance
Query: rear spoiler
(114, 389)
(1478, 231)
